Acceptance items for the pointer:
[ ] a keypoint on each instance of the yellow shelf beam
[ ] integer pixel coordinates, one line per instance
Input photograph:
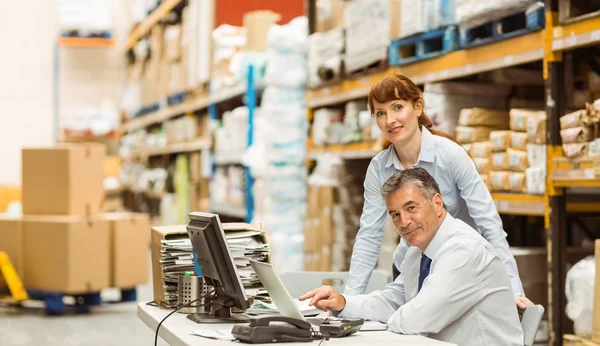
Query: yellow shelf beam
(86, 42)
(156, 16)
(519, 204)
(345, 151)
(577, 34)
(506, 53)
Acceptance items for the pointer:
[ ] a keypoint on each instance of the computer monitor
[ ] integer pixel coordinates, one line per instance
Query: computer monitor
(218, 268)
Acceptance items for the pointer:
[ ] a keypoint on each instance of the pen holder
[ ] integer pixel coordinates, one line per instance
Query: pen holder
(190, 288)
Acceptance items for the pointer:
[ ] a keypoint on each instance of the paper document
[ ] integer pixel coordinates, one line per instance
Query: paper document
(224, 335)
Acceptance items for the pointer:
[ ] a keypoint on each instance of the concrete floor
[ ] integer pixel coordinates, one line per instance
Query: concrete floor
(109, 324)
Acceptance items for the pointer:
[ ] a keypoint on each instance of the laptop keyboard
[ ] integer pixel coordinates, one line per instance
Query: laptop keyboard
(320, 320)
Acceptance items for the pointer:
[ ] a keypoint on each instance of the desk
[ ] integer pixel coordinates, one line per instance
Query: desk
(177, 331)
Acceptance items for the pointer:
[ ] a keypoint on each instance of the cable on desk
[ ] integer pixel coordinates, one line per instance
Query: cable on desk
(188, 305)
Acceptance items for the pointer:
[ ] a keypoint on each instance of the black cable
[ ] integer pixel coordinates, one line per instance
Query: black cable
(188, 305)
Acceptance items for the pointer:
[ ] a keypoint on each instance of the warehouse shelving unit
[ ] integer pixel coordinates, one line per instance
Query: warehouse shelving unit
(547, 47)
(196, 101)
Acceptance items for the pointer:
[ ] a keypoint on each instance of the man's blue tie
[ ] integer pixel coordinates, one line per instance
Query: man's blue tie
(425, 264)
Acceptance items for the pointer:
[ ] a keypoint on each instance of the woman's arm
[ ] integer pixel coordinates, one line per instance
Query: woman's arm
(483, 210)
(369, 236)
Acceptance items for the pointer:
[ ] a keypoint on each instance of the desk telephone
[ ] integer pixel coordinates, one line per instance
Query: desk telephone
(289, 329)
(260, 330)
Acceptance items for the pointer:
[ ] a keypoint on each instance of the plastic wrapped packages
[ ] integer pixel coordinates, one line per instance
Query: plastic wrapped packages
(444, 101)
(475, 12)
(325, 56)
(579, 290)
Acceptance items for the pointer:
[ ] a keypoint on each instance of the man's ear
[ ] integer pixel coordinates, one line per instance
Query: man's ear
(438, 202)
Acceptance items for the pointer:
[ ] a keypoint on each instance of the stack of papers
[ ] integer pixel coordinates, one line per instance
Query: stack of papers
(245, 246)
(176, 259)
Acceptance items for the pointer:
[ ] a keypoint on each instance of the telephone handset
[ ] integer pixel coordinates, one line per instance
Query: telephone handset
(261, 330)
(266, 320)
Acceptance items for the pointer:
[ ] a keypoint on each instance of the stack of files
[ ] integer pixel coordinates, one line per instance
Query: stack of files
(176, 259)
(246, 245)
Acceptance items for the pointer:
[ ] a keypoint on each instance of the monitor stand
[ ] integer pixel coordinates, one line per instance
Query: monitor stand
(222, 315)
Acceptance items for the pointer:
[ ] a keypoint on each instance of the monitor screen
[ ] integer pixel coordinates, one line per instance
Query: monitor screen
(218, 267)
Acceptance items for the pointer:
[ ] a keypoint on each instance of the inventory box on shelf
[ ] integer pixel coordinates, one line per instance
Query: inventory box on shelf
(63, 180)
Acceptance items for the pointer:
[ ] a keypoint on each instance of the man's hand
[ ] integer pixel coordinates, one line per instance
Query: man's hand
(522, 303)
(325, 298)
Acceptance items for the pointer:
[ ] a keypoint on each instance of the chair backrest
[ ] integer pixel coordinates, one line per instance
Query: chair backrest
(532, 316)
(300, 282)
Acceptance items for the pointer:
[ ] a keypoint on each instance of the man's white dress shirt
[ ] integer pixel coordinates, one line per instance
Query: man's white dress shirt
(466, 299)
(464, 194)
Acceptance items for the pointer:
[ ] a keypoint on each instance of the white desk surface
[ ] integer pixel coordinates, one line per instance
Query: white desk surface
(177, 331)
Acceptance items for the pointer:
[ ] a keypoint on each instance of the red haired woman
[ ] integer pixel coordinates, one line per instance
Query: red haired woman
(397, 105)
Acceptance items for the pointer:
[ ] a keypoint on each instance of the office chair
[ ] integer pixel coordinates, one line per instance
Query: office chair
(300, 282)
(532, 316)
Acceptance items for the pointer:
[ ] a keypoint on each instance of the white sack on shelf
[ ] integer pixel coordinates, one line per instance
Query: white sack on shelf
(443, 101)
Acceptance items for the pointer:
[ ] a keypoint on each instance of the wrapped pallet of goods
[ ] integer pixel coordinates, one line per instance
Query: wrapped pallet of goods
(444, 102)
(367, 24)
(471, 13)
(325, 57)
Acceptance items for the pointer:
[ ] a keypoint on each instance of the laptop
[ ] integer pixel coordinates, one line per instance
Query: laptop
(285, 303)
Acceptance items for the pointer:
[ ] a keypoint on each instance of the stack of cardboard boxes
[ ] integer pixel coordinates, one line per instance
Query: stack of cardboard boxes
(65, 242)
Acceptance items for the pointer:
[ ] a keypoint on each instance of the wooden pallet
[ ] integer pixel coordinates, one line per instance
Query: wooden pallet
(574, 10)
(423, 46)
(516, 24)
(374, 67)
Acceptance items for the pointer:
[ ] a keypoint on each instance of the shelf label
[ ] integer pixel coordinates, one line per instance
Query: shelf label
(595, 36)
(589, 173)
(572, 41)
(508, 60)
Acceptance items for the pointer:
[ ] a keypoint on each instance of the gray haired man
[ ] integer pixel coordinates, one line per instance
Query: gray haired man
(452, 286)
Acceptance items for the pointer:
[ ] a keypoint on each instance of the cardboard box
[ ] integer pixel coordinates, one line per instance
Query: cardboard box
(471, 134)
(63, 180)
(596, 316)
(129, 244)
(395, 19)
(11, 242)
(67, 254)
(574, 340)
(257, 24)
(483, 117)
(330, 15)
